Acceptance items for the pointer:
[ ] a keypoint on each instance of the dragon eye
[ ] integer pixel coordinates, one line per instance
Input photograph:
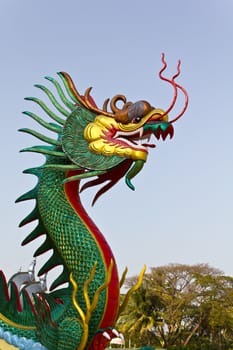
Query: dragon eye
(135, 112)
(137, 119)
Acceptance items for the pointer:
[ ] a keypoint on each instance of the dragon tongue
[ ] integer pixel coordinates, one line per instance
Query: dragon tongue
(149, 145)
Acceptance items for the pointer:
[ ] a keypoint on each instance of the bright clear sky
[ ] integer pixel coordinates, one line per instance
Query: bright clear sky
(181, 211)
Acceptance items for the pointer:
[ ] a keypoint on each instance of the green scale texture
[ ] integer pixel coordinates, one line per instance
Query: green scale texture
(75, 244)
(30, 334)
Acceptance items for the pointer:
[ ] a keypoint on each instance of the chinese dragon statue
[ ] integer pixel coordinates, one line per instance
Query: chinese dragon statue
(83, 303)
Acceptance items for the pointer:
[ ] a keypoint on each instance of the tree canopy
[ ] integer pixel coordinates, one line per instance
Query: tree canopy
(180, 305)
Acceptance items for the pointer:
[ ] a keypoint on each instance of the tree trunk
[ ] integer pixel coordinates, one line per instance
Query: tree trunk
(192, 333)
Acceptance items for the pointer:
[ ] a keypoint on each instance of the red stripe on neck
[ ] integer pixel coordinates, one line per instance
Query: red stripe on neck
(112, 305)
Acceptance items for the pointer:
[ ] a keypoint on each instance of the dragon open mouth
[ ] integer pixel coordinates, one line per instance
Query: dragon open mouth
(140, 138)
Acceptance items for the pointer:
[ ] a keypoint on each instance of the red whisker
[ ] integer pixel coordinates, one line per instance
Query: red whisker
(185, 105)
(171, 81)
(176, 87)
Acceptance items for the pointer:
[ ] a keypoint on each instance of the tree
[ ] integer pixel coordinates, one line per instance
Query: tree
(178, 304)
(140, 317)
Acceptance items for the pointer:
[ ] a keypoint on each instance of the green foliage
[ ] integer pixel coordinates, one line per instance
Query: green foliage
(181, 307)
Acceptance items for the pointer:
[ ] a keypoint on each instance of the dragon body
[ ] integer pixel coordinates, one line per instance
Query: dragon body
(82, 306)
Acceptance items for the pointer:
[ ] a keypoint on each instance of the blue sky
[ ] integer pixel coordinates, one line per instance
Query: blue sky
(181, 211)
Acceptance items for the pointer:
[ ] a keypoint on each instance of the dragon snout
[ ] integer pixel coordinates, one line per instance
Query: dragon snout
(163, 132)
(160, 130)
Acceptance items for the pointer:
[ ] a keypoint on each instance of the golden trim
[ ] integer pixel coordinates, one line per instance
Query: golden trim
(85, 318)
(16, 325)
(131, 290)
(5, 346)
(84, 338)
(123, 276)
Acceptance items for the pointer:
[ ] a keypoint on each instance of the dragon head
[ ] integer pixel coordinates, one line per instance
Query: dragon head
(98, 142)
(128, 134)
(120, 138)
